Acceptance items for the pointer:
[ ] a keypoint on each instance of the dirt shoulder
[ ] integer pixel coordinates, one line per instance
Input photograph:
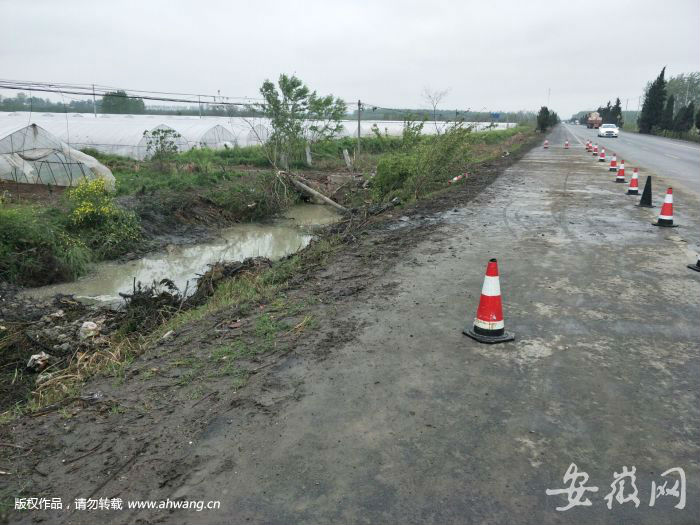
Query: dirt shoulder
(134, 429)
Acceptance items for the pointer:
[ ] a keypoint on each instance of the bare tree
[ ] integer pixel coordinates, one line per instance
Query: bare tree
(434, 98)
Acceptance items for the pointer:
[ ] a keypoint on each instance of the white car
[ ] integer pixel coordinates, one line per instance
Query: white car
(608, 130)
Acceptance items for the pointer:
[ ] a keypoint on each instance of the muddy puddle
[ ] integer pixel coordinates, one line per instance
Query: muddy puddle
(181, 264)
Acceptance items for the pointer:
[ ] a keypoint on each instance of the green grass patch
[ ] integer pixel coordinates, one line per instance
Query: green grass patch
(36, 247)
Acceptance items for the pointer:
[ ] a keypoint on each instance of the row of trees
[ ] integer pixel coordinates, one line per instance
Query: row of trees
(546, 118)
(612, 114)
(661, 113)
(117, 102)
(111, 102)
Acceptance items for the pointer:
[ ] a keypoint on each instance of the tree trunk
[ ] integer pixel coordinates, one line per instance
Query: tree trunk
(310, 191)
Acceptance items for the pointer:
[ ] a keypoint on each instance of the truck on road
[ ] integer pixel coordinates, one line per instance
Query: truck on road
(594, 120)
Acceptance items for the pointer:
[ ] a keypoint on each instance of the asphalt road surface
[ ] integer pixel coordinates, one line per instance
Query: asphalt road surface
(412, 422)
(675, 159)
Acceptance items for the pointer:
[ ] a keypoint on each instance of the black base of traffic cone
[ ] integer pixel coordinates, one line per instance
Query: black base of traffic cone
(632, 192)
(663, 223)
(488, 339)
(695, 266)
(620, 181)
(612, 169)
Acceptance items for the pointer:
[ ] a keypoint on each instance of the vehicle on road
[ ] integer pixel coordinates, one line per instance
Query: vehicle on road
(609, 130)
(594, 120)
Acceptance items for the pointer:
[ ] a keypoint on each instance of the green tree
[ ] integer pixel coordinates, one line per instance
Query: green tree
(296, 116)
(606, 114)
(653, 106)
(684, 119)
(685, 87)
(616, 113)
(119, 102)
(553, 119)
(667, 116)
(161, 146)
(543, 119)
(697, 119)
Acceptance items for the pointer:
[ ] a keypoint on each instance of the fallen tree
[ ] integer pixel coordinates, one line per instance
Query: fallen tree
(295, 180)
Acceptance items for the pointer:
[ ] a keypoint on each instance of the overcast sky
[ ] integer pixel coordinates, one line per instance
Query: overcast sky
(496, 54)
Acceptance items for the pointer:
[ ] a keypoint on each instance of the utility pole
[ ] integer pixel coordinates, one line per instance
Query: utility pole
(94, 103)
(549, 92)
(359, 120)
(199, 103)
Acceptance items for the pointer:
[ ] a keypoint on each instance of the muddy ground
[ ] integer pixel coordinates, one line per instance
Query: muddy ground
(366, 403)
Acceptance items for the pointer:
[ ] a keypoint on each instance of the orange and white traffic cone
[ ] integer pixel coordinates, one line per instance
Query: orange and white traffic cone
(589, 147)
(633, 188)
(613, 163)
(666, 215)
(595, 150)
(566, 144)
(601, 158)
(546, 144)
(621, 172)
(489, 326)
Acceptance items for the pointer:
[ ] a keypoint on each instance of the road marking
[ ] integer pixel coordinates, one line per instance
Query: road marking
(566, 127)
(672, 156)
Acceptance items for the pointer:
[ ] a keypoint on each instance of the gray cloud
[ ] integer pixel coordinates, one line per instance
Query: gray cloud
(494, 54)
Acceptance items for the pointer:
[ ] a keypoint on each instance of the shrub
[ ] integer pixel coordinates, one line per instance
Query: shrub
(35, 250)
(253, 197)
(103, 226)
(392, 172)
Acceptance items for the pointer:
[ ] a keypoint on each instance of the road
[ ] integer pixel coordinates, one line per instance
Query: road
(412, 422)
(383, 412)
(675, 159)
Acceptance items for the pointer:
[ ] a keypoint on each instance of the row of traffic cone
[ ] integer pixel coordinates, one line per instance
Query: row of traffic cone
(489, 324)
(665, 218)
(546, 144)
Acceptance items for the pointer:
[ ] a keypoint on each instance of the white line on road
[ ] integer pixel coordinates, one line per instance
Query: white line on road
(672, 156)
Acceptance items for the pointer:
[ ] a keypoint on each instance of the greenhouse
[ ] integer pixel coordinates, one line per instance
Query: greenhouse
(128, 138)
(124, 134)
(203, 134)
(29, 154)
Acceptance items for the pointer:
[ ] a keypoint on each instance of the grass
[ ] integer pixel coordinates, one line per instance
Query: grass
(36, 248)
(435, 159)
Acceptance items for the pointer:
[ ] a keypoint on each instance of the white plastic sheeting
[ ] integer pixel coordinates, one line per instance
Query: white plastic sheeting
(204, 134)
(32, 155)
(115, 136)
(124, 134)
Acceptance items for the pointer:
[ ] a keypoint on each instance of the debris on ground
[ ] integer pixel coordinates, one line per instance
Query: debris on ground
(38, 362)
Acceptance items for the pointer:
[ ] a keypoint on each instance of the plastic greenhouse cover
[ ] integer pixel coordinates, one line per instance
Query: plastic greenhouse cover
(30, 154)
(123, 134)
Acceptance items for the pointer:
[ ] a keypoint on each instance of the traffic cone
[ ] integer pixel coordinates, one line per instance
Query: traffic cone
(595, 150)
(488, 325)
(613, 163)
(621, 172)
(589, 146)
(645, 201)
(634, 183)
(695, 266)
(546, 144)
(602, 155)
(566, 144)
(666, 215)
